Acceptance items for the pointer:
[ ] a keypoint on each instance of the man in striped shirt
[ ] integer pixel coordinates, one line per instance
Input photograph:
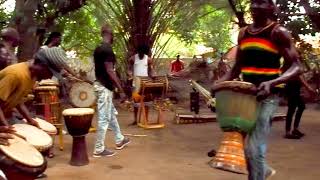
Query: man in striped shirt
(261, 45)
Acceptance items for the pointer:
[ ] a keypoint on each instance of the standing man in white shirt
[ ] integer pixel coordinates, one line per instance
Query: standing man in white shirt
(140, 65)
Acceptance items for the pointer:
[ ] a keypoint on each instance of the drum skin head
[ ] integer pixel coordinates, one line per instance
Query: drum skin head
(21, 151)
(36, 137)
(46, 126)
(82, 95)
(48, 82)
(77, 111)
(237, 86)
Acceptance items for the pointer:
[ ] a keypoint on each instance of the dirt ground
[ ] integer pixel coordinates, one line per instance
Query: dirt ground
(179, 152)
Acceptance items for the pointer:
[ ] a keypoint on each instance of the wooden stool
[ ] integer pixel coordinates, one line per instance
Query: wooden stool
(143, 116)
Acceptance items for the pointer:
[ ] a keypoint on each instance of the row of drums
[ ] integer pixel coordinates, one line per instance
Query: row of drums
(22, 158)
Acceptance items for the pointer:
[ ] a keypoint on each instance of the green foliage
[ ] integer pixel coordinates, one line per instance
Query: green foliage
(210, 26)
(80, 32)
(294, 19)
(5, 16)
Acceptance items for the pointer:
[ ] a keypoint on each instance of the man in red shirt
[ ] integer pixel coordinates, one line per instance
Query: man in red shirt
(176, 65)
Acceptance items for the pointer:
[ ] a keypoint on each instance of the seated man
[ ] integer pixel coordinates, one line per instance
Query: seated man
(140, 65)
(176, 65)
(16, 81)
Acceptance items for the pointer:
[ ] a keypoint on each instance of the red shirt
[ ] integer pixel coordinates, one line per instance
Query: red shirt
(177, 66)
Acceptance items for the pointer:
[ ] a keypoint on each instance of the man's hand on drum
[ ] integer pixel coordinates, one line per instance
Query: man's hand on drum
(264, 90)
(34, 123)
(6, 134)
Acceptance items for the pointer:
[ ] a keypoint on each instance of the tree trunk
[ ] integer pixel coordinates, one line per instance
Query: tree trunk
(239, 14)
(27, 28)
(140, 29)
(312, 13)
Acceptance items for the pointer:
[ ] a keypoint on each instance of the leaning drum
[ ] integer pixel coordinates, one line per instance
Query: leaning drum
(21, 161)
(46, 126)
(78, 122)
(34, 136)
(237, 110)
(82, 95)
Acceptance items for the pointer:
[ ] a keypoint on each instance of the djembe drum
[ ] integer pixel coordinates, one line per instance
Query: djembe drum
(21, 161)
(34, 136)
(46, 127)
(237, 110)
(78, 122)
(47, 104)
(82, 95)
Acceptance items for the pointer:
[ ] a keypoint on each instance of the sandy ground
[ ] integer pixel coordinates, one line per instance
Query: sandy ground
(179, 152)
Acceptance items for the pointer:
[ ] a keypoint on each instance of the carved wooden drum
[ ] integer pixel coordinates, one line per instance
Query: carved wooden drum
(46, 94)
(237, 107)
(20, 160)
(237, 110)
(78, 122)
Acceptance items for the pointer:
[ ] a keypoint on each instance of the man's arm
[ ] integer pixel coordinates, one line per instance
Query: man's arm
(292, 65)
(306, 85)
(5, 134)
(171, 67)
(151, 72)
(112, 74)
(3, 120)
(130, 67)
(7, 86)
(23, 110)
(235, 70)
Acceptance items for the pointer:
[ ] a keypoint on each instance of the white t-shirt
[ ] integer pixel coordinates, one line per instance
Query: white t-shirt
(140, 67)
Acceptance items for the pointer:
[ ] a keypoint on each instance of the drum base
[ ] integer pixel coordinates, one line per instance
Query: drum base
(151, 126)
(79, 156)
(230, 156)
(16, 176)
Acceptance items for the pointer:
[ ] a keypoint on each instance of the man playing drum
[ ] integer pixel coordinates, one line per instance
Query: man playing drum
(106, 80)
(140, 65)
(56, 59)
(16, 81)
(261, 45)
